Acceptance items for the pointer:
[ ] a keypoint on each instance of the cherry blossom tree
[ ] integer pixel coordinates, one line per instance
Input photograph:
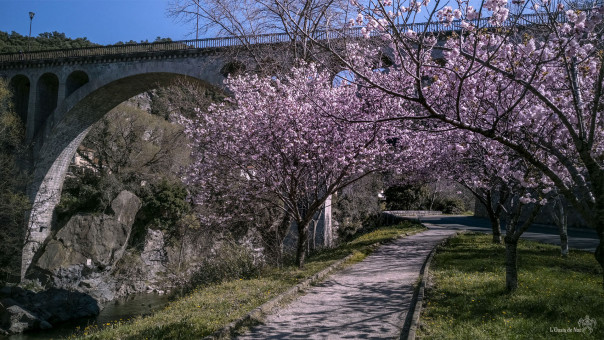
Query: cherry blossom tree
(534, 83)
(279, 140)
(511, 188)
(507, 185)
(476, 164)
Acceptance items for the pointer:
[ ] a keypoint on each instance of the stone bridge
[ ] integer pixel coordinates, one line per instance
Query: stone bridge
(61, 99)
(60, 94)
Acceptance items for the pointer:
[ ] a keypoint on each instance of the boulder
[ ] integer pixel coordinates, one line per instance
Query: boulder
(125, 206)
(20, 320)
(98, 238)
(81, 255)
(25, 310)
(62, 305)
(5, 318)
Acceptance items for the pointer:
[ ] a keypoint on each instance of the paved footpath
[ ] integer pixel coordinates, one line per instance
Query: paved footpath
(368, 300)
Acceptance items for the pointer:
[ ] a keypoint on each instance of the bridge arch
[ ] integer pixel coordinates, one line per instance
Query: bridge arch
(64, 131)
(20, 86)
(75, 80)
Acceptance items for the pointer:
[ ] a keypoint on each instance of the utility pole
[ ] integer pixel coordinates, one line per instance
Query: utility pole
(31, 18)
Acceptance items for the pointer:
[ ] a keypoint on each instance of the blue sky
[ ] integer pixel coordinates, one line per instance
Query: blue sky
(101, 21)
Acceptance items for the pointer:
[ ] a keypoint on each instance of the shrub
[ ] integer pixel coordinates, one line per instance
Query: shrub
(451, 206)
(89, 193)
(406, 197)
(164, 204)
(232, 261)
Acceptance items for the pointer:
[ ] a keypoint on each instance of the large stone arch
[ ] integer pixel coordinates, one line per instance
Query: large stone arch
(64, 131)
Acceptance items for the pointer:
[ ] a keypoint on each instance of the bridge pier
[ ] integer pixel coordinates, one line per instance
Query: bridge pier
(31, 111)
(62, 89)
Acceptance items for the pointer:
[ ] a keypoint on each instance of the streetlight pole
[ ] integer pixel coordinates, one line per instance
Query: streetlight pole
(31, 18)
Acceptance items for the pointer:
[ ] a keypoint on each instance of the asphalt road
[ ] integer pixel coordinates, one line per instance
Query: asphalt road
(584, 239)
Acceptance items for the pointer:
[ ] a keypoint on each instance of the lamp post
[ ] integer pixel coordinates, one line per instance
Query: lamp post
(31, 18)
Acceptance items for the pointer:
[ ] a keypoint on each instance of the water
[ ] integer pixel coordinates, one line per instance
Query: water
(134, 305)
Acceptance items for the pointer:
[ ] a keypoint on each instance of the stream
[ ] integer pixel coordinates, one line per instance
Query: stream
(132, 306)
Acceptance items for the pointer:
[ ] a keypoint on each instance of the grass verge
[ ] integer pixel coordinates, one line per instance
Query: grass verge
(468, 300)
(207, 309)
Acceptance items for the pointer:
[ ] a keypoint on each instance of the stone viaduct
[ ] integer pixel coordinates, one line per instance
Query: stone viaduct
(60, 94)
(60, 99)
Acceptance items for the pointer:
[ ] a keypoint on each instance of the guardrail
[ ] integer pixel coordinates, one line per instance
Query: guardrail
(233, 41)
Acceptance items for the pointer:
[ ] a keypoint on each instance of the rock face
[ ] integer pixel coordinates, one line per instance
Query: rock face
(154, 255)
(81, 255)
(87, 262)
(22, 310)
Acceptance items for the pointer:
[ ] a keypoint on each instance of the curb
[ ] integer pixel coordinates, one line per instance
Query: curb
(418, 296)
(257, 314)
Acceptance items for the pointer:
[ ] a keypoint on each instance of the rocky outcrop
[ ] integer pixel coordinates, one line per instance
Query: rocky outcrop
(144, 271)
(154, 256)
(22, 310)
(82, 254)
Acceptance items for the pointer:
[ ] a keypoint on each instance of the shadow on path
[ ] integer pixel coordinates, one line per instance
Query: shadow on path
(368, 300)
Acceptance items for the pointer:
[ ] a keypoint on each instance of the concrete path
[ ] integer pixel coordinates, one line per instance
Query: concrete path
(369, 300)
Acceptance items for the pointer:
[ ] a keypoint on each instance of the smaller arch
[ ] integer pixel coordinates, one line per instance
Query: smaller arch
(20, 87)
(46, 99)
(74, 81)
(232, 68)
(386, 61)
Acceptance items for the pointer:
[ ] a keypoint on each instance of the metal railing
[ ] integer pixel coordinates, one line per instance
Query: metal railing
(233, 41)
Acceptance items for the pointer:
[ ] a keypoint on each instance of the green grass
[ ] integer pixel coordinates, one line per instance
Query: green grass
(207, 309)
(468, 299)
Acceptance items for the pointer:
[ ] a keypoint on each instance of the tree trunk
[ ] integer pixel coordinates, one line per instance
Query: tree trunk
(563, 239)
(561, 219)
(496, 227)
(511, 263)
(494, 217)
(599, 224)
(302, 243)
(599, 254)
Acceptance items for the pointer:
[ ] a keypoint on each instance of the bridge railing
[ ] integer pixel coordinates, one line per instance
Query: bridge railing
(354, 32)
